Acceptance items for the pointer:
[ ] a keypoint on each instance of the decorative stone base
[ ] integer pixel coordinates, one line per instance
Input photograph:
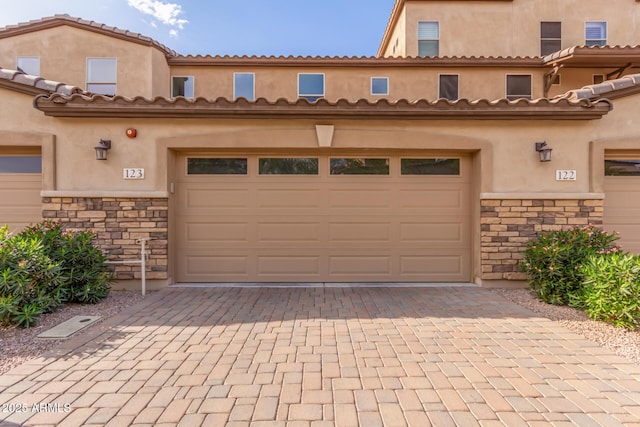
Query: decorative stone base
(118, 223)
(506, 226)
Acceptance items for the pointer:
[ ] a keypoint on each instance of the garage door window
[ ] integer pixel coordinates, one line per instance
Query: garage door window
(622, 167)
(430, 166)
(359, 166)
(20, 164)
(216, 166)
(288, 166)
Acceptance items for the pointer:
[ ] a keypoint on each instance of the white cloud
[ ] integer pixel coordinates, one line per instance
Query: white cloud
(167, 13)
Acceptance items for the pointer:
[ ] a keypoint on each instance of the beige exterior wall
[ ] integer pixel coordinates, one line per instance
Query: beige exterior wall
(512, 28)
(64, 50)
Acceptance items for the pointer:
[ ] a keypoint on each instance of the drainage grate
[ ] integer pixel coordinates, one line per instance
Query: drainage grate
(70, 327)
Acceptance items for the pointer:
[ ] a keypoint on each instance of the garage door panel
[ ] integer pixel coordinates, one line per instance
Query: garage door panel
(289, 231)
(358, 232)
(359, 198)
(287, 198)
(359, 265)
(622, 210)
(201, 265)
(206, 198)
(217, 232)
(288, 266)
(447, 266)
(452, 198)
(434, 233)
(20, 201)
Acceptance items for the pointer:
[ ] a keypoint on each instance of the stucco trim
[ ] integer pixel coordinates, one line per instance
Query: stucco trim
(106, 194)
(541, 196)
(78, 105)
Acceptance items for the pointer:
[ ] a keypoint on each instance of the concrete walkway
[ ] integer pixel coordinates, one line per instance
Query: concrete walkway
(318, 357)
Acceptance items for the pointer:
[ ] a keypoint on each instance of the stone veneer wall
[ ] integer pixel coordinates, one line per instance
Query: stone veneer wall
(508, 225)
(118, 222)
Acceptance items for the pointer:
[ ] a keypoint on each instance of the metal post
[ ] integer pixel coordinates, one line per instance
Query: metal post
(143, 264)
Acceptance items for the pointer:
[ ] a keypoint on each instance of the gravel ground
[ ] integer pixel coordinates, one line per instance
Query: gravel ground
(19, 345)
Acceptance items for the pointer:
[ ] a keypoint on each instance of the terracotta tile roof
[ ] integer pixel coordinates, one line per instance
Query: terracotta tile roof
(60, 20)
(34, 85)
(353, 61)
(101, 106)
(595, 56)
(610, 89)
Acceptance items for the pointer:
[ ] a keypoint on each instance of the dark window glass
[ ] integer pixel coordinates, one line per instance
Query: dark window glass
(430, 166)
(449, 87)
(622, 167)
(550, 37)
(288, 166)
(518, 87)
(216, 166)
(598, 78)
(346, 166)
(20, 164)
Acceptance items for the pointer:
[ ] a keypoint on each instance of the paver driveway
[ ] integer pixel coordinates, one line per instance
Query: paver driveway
(323, 357)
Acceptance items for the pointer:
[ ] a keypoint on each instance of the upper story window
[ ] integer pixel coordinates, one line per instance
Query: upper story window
(379, 85)
(244, 86)
(102, 75)
(429, 38)
(311, 86)
(183, 86)
(29, 65)
(595, 33)
(448, 86)
(550, 37)
(518, 86)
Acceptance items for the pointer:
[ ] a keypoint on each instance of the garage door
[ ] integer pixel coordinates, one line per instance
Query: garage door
(310, 218)
(622, 201)
(20, 184)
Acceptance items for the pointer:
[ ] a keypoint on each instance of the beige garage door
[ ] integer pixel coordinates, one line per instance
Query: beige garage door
(20, 184)
(265, 218)
(622, 201)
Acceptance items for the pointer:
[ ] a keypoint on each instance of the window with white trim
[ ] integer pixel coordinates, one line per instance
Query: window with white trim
(102, 75)
(379, 85)
(28, 65)
(244, 86)
(518, 86)
(429, 38)
(448, 86)
(183, 86)
(311, 86)
(595, 33)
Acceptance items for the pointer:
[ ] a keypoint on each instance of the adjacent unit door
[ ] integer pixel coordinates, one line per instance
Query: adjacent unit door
(622, 200)
(323, 218)
(20, 185)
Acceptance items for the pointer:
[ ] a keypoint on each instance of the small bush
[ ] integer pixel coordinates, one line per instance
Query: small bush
(553, 262)
(611, 289)
(43, 267)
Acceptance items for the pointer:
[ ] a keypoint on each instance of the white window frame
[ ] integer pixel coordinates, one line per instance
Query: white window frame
(318, 96)
(606, 33)
(379, 94)
(18, 67)
(506, 87)
(188, 77)
(253, 85)
(449, 74)
(90, 82)
(437, 39)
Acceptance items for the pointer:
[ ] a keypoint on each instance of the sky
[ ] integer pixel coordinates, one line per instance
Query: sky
(230, 27)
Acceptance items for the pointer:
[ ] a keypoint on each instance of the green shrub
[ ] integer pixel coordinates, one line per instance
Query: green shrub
(43, 267)
(553, 262)
(611, 289)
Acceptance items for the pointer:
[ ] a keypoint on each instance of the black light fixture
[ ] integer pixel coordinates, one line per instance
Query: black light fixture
(101, 149)
(544, 151)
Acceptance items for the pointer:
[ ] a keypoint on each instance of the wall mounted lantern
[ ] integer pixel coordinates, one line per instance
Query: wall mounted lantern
(544, 151)
(101, 149)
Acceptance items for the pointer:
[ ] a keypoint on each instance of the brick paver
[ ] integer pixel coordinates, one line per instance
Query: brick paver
(319, 357)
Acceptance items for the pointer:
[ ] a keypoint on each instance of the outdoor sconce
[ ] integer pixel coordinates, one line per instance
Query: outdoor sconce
(544, 151)
(101, 149)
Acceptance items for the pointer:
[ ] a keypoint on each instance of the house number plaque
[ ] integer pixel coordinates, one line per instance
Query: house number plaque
(565, 175)
(133, 173)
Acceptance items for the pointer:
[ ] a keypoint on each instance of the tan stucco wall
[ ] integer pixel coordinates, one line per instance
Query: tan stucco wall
(63, 53)
(504, 28)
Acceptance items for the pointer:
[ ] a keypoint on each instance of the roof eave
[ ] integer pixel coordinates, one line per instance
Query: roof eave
(119, 107)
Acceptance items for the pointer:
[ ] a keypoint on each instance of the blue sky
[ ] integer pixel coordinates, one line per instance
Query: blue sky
(231, 27)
